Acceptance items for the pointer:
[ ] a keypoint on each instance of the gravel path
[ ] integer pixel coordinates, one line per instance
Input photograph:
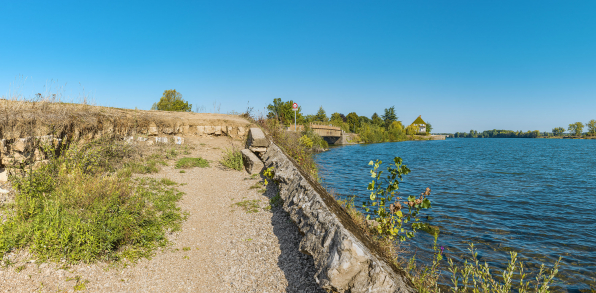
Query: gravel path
(221, 248)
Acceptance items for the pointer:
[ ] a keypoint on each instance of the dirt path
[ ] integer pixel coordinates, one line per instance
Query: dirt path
(221, 248)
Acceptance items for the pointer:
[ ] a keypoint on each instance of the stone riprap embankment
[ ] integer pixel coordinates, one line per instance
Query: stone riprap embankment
(344, 258)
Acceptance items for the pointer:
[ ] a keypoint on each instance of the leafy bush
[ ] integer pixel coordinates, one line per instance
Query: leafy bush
(185, 163)
(75, 208)
(232, 159)
(388, 214)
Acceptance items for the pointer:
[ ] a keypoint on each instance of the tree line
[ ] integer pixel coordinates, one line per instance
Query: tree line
(378, 128)
(575, 129)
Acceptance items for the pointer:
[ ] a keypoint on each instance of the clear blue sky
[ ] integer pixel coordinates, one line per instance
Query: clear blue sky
(520, 65)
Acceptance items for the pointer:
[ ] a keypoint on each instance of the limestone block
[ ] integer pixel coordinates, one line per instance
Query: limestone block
(224, 130)
(200, 130)
(46, 139)
(129, 139)
(252, 163)
(152, 129)
(39, 155)
(168, 130)
(161, 140)
(185, 128)
(179, 140)
(256, 138)
(241, 131)
(38, 164)
(209, 130)
(3, 175)
(259, 151)
(3, 144)
(21, 144)
(150, 142)
(217, 130)
(229, 131)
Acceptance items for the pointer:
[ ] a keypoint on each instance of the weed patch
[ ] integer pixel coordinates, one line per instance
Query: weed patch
(249, 206)
(191, 162)
(232, 159)
(75, 208)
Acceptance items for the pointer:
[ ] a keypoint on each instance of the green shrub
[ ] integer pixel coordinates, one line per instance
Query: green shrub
(191, 162)
(232, 159)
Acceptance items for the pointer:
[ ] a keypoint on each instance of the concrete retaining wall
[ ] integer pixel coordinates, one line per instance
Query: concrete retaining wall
(345, 259)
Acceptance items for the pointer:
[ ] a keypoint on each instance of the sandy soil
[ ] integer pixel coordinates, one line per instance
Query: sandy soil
(221, 247)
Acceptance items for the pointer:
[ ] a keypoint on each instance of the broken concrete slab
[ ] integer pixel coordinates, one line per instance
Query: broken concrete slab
(252, 163)
(256, 138)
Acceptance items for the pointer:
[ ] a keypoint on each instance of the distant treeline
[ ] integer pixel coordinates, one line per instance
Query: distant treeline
(575, 130)
(496, 133)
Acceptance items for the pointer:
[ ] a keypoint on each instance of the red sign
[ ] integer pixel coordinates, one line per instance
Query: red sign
(295, 106)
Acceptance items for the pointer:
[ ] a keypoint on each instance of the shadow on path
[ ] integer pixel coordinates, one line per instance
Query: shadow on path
(298, 268)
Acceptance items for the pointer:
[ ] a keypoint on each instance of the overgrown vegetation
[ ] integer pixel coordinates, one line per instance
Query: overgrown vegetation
(79, 207)
(232, 158)
(290, 142)
(186, 163)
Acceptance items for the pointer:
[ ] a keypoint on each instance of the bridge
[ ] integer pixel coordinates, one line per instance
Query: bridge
(331, 134)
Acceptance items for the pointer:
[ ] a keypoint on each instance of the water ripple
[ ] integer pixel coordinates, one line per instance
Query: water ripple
(533, 196)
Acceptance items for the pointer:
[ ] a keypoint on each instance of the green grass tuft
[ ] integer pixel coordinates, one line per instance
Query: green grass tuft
(191, 162)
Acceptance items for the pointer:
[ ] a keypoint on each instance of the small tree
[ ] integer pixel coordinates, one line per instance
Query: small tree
(353, 121)
(171, 100)
(429, 128)
(576, 128)
(389, 116)
(558, 131)
(591, 127)
(321, 115)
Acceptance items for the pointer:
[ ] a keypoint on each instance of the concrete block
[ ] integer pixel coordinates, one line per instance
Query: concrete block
(209, 130)
(142, 139)
(217, 130)
(161, 140)
(152, 129)
(241, 131)
(200, 130)
(256, 138)
(168, 130)
(252, 163)
(179, 140)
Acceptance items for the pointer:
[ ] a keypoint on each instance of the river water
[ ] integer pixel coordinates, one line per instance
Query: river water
(533, 196)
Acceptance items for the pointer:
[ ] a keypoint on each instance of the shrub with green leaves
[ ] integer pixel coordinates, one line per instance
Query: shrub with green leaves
(392, 222)
(191, 162)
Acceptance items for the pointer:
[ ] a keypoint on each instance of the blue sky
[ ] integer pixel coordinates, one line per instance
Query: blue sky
(520, 65)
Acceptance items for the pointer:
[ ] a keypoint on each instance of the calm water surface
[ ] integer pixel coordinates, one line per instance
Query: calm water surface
(533, 196)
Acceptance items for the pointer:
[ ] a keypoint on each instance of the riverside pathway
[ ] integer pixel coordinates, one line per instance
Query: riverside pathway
(221, 247)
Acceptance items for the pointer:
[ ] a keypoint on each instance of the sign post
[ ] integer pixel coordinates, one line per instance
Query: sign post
(295, 108)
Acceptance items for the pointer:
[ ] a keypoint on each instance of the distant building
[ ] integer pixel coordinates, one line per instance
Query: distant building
(420, 123)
